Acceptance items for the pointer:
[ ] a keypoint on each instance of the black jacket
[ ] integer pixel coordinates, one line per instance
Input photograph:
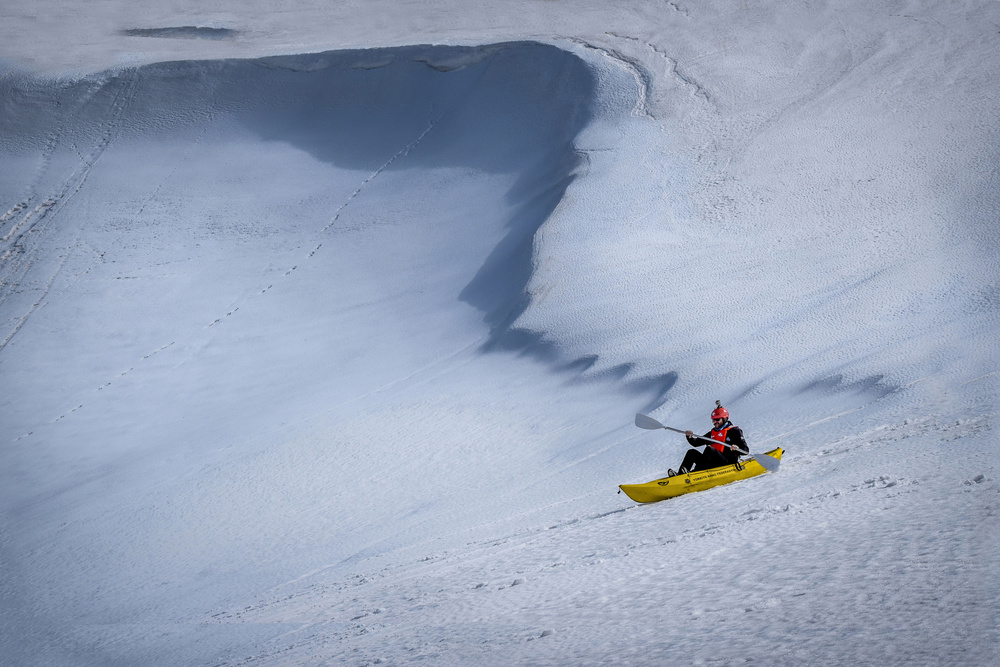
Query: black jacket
(734, 436)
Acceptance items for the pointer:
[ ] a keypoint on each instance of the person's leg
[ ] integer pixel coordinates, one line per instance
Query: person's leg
(711, 459)
(697, 460)
(691, 459)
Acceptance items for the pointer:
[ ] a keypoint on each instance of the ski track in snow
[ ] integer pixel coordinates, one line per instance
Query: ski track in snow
(24, 239)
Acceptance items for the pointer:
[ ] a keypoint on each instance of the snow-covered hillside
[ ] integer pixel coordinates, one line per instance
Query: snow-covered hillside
(319, 346)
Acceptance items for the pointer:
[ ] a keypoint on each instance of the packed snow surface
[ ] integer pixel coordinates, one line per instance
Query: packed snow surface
(322, 330)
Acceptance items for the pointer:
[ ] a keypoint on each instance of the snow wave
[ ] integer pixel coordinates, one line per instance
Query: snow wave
(250, 314)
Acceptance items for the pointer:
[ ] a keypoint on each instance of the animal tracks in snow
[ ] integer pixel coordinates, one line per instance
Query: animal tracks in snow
(402, 153)
(104, 386)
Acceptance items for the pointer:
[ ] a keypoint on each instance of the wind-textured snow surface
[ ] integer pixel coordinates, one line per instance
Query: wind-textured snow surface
(324, 355)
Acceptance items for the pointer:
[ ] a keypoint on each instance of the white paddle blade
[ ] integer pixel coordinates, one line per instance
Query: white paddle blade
(768, 462)
(642, 421)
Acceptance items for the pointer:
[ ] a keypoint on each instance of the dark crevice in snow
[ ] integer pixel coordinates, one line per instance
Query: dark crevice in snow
(655, 387)
(875, 385)
(182, 32)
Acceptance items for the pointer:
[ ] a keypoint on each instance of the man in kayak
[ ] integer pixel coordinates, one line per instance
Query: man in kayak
(729, 439)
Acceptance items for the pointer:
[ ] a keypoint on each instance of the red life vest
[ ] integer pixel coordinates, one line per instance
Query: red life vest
(721, 437)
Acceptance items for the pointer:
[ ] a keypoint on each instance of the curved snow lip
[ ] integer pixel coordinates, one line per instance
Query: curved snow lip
(510, 108)
(514, 109)
(507, 108)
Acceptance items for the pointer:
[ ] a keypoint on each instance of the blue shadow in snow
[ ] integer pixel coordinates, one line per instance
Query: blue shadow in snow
(513, 108)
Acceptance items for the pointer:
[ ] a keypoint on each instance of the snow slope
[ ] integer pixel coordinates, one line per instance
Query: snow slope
(314, 356)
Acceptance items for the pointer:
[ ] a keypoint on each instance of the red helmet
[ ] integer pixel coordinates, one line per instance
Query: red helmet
(719, 412)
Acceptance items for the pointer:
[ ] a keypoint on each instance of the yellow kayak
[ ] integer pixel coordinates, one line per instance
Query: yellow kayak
(699, 480)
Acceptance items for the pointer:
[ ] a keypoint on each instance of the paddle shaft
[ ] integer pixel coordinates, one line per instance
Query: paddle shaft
(707, 440)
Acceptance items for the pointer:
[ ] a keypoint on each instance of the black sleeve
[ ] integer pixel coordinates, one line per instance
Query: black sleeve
(736, 438)
(696, 442)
